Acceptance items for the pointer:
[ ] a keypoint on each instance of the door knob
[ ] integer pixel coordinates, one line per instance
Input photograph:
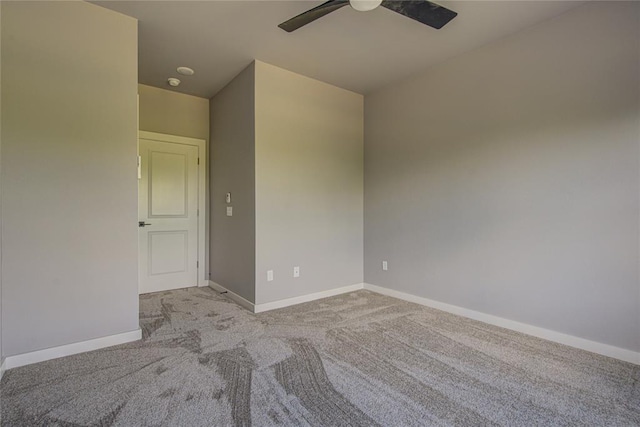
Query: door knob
(142, 223)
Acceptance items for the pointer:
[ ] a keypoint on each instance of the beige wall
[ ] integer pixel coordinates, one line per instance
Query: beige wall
(232, 162)
(69, 208)
(309, 177)
(506, 180)
(173, 113)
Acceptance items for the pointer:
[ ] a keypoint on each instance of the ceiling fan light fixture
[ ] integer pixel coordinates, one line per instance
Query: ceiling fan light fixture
(423, 11)
(364, 5)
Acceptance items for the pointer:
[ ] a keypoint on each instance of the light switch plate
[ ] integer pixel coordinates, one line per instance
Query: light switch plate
(296, 271)
(269, 275)
(228, 198)
(229, 211)
(385, 266)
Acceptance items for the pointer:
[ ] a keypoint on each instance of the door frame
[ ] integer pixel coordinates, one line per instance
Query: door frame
(203, 210)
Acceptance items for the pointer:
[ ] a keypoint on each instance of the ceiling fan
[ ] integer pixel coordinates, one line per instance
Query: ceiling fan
(422, 11)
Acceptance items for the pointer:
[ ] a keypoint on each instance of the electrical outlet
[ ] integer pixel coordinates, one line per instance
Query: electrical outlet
(296, 271)
(229, 211)
(385, 266)
(270, 276)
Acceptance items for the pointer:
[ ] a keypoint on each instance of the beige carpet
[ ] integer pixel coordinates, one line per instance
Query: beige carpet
(350, 360)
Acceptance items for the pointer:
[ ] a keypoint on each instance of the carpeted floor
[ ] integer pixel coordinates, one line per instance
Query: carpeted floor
(350, 360)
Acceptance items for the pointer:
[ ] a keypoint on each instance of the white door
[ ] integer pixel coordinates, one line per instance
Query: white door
(168, 216)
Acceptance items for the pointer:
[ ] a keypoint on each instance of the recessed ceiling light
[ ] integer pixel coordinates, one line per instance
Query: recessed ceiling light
(185, 71)
(173, 81)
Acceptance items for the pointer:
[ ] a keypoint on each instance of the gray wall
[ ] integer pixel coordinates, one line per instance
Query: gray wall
(232, 163)
(506, 180)
(1, 352)
(309, 184)
(69, 209)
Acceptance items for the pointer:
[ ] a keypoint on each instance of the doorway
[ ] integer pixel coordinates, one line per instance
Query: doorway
(171, 212)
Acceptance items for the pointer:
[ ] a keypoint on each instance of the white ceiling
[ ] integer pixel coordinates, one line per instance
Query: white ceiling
(359, 51)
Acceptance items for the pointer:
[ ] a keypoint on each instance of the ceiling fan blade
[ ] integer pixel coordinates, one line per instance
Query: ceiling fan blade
(423, 11)
(312, 14)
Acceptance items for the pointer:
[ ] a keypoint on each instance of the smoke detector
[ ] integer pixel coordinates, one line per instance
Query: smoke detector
(173, 81)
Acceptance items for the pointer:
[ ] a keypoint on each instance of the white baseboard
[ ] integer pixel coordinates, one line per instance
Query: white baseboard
(259, 308)
(2, 367)
(233, 296)
(570, 340)
(69, 349)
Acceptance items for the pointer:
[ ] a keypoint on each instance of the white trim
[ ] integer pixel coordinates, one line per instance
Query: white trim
(203, 189)
(259, 308)
(233, 296)
(570, 340)
(69, 349)
(2, 368)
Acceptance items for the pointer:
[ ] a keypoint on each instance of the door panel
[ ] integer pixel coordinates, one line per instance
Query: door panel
(168, 189)
(168, 251)
(168, 208)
